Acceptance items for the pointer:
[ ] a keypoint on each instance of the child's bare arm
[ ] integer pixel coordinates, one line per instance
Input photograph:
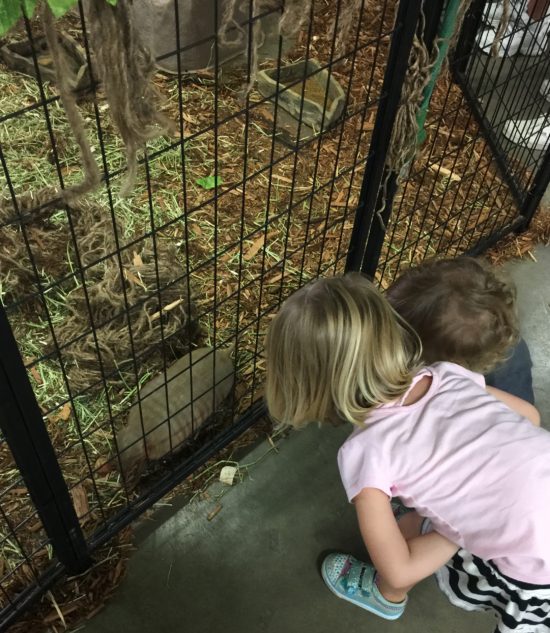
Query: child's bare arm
(399, 562)
(518, 405)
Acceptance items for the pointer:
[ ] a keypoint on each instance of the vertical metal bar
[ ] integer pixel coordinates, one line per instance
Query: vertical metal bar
(396, 68)
(363, 117)
(432, 20)
(27, 436)
(185, 204)
(489, 136)
(467, 39)
(377, 233)
(361, 114)
(535, 194)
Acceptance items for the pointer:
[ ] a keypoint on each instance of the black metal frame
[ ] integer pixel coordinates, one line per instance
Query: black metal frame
(529, 199)
(376, 202)
(526, 199)
(465, 47)
(72, 548)
(21, 419)
(368, 234)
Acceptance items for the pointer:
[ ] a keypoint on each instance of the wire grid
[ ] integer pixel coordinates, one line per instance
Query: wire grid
(23, 559)
(512, 88)
(458, 194)
(278, 215)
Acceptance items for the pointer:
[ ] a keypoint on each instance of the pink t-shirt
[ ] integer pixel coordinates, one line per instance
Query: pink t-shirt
(478, 470)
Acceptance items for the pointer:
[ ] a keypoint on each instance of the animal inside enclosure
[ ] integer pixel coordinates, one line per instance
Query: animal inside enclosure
(139, 300)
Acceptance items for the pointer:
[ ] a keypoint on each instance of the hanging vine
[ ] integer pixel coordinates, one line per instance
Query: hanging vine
(125, 67)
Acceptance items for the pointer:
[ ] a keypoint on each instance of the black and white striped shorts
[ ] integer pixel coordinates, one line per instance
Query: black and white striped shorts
(475, 585)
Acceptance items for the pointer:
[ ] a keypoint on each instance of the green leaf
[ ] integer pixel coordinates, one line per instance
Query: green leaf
(209, 182)
(10, 12)
(60, 7)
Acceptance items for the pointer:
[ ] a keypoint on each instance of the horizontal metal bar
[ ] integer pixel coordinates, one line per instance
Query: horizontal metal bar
(12, 612)
(164, 485)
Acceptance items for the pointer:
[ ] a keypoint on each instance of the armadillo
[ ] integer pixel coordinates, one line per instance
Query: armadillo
(185, 416)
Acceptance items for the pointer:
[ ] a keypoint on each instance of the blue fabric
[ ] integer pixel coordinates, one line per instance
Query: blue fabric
(514, 376)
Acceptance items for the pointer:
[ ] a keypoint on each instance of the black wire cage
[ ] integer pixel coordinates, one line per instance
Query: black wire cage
(132, 327)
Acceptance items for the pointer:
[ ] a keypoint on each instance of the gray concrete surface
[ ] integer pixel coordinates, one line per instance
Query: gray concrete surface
(533, 283)
(254, 567)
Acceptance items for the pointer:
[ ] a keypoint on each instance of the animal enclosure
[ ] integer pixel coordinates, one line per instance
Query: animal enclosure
(132, 325)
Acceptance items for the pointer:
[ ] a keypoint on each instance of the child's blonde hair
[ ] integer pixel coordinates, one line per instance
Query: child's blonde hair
(335, 350)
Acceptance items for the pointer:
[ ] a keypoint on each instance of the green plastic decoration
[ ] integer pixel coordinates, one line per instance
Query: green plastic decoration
(446, 30)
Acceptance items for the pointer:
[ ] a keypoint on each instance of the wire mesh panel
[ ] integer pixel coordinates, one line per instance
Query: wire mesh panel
(507, 85)
(140, 319)
(137, 305)
(468, 184)
(26, 550)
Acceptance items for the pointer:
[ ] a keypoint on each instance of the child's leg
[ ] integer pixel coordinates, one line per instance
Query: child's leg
(399, 551)
(400, 562)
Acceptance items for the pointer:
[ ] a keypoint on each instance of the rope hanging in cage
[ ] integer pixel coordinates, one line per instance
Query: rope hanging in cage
(125, 67)
(424, 68)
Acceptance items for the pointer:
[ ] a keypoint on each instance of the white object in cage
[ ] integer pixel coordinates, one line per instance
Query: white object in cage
(529, 133)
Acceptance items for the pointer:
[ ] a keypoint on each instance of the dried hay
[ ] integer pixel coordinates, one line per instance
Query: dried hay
(132, 301)
(63, 75)
(521, 245)
(80, 597)
(16, 270)
(126, 67)
(129, 315)
(32, 223)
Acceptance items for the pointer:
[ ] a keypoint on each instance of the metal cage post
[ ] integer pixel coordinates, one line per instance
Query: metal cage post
(367, 234)
(28, 439)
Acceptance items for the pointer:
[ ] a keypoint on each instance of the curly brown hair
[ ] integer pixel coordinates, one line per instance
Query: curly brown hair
(461, 309)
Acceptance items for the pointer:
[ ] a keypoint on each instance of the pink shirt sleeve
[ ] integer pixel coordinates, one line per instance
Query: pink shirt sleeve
(361, 469)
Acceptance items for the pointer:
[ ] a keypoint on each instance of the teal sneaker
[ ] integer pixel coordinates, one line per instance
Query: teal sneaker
(352, 580)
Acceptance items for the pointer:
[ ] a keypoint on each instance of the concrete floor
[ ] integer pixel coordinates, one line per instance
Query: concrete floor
(254, 567)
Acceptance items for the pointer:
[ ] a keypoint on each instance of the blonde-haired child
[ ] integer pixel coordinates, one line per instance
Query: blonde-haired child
(466, 457)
